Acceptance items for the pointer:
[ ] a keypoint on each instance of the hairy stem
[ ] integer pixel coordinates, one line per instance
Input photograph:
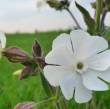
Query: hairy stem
(73, 17)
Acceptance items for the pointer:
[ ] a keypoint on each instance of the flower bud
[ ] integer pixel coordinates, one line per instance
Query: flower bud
(26, 105)
(16, 55)
(37, 52)
(58, 5)
(26, 72)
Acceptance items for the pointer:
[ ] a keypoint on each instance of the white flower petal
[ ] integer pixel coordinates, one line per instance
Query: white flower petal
(85, 45)
(61, 40)
(92, 82)
(54, 74)
(2, 40)
(76, 37)
(82, 94)
(105, 75)
(60, 56)
(68, 85)
(100, 61)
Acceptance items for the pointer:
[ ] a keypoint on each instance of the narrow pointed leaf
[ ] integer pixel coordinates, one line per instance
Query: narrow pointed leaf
(87, 18)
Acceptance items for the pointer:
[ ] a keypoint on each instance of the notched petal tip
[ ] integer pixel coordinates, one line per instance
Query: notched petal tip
(92, 82)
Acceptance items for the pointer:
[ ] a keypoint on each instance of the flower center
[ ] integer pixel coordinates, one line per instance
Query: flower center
(80, 65)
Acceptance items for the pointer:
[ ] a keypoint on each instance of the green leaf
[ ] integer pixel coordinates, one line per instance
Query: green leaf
(87, 18)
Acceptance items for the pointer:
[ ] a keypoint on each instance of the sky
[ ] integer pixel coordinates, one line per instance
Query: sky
(25, 16)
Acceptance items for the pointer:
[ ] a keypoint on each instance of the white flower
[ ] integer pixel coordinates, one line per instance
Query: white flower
(76, 64)
(2, 42)
(40, 3)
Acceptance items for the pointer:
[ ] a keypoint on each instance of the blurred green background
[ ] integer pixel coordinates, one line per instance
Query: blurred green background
(13, 90)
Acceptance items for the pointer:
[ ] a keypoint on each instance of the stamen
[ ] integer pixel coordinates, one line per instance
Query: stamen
(80, 66)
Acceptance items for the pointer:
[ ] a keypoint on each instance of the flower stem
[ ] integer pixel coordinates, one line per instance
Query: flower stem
(98, 14)
(44, 101)
(93, 102)
(63, 104)
(73, 17)
(87, 106)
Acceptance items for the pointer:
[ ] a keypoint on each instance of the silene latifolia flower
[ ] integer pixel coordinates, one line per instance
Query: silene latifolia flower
(2, 42)
(79, 64)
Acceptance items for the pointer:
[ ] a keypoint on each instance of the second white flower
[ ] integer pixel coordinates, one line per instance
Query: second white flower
(76, 62)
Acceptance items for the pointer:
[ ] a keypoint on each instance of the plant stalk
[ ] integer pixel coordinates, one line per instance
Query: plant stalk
(98, 14)
(45, 101)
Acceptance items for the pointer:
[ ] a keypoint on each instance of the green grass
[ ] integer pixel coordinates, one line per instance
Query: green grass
(13, 90)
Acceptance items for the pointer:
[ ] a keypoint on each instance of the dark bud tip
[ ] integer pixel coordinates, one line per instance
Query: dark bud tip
(37, 52)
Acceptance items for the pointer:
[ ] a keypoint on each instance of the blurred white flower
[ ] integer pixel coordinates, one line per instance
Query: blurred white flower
(2, 42)
(76, 64)
(41, 3)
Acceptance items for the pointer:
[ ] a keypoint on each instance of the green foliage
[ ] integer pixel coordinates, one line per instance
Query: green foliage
(13, 90)
(87, 18)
